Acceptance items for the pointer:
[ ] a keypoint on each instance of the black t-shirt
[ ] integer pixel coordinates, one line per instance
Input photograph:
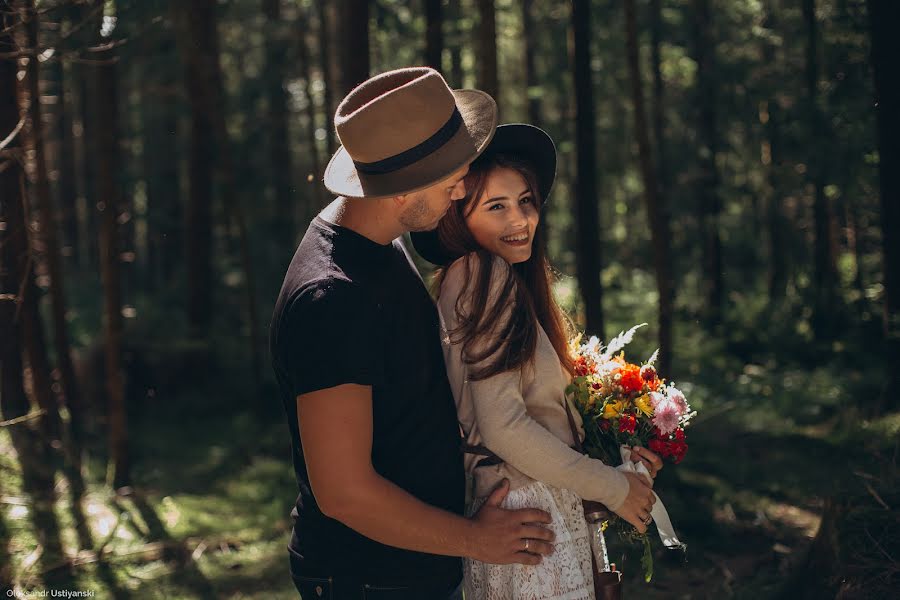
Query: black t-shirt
(354, 311)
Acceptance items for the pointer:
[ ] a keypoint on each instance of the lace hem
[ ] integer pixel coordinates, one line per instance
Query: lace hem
(564, 575)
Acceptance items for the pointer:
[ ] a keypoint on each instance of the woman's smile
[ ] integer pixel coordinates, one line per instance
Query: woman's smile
(505, 216)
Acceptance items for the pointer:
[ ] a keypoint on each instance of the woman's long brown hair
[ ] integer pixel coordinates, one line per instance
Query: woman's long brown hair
(525, 299)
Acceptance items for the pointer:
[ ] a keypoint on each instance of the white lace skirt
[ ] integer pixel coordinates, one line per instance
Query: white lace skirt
(564, 575)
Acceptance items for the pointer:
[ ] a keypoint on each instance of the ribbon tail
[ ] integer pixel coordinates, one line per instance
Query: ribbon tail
(659, 513)
(664, 526)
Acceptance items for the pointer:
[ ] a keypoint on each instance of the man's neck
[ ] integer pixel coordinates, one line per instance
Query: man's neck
(364, 216)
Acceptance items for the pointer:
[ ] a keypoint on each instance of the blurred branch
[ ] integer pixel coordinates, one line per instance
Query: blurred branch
(8, 140)
(29, 417)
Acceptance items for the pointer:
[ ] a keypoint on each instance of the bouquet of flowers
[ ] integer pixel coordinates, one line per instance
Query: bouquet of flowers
(623, 404)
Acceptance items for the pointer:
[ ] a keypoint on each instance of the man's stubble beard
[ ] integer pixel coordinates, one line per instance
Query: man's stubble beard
(417, 217)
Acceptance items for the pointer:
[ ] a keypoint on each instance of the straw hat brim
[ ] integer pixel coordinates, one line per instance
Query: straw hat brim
(514, 139)
(479, 115)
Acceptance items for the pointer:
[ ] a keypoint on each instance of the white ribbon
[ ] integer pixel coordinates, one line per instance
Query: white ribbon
(659, 513)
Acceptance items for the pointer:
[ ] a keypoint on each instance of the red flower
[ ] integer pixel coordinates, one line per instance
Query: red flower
(658, 446)
(627, 424)
(604, 425)
(648, 372)
(631, 379)
(678, 450)
(679, 434)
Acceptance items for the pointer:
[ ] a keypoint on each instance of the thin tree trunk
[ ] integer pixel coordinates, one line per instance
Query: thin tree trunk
(314, 201)
(883, 17)
(91, 14)
(66, 190)
(708, 182)
(353, 51)
(159, 157)
(587, 232)
(434, 36)
(106, 104)
(656, 32)
(455, 46)
(325, 64)
(533, 88)
(199, 80)
(825, 275)
(656, 209)
(487, 49)
(770, 116)
(278, 129)
(35, 137)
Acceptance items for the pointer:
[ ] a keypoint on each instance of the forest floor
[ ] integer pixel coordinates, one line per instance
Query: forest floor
(207, 516)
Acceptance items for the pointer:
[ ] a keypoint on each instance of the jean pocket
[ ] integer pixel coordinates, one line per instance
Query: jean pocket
(314, 588)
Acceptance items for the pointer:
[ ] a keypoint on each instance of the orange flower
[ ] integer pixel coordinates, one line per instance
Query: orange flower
(631, 379)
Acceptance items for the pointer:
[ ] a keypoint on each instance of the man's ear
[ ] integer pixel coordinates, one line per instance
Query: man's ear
(400, 201)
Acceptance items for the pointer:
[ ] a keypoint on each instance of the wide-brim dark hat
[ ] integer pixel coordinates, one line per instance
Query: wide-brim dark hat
(527, 142)
(405, 130)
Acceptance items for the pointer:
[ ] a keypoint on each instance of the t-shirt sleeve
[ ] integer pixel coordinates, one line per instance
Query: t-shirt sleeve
(331, 334)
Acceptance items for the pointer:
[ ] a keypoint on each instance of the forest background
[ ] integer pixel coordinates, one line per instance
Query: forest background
(728, 173)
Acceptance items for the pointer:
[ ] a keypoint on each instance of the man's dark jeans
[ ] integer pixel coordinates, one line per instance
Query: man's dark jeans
(350, 588)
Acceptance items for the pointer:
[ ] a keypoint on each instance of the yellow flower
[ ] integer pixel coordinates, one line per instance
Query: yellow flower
(611, 410)
(644, 405)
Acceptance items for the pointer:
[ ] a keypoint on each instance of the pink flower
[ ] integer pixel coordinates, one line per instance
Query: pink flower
(677, 397)
(656, 398)
(666, 416)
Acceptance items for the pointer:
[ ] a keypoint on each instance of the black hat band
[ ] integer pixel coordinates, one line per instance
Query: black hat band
(417, 152)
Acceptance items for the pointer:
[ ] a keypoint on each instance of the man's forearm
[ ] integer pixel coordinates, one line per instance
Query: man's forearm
(384, 512)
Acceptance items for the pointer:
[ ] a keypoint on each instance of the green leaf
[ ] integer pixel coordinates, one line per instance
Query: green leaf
(647, 559)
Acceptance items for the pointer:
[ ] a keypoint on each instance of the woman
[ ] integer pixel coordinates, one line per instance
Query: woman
(508, 364)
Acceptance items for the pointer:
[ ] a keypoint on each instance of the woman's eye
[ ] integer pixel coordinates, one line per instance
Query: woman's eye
(493, 206)
(526, 200)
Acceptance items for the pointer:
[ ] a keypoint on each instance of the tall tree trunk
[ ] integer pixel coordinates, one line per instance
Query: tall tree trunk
(37, 171)
(454, 45)
(199, 26)
(106, 106)
(278, 125)
(455, 42)
(587, 228)
(770, 116)
(15, 262)
(325, 66)
(314, 200)
(20, 326)
(160, 155)
(533, 88)
(353, 50)
(883, 17)
(434, 36)
(487, 49)
(656, 32)
(708, 181)
(66, 196)
(656, 207)
(200, 82)
(825, 272)
(90, 14)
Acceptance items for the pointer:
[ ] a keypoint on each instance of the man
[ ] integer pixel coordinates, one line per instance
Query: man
(356, 351)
